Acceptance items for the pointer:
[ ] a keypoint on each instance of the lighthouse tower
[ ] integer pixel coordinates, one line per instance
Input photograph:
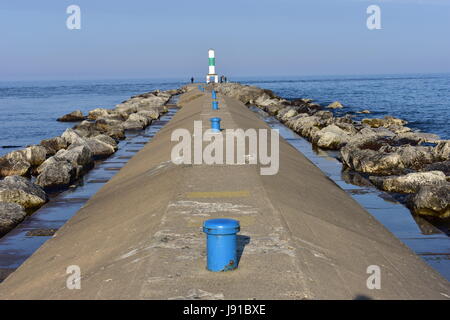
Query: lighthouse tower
(212, 76)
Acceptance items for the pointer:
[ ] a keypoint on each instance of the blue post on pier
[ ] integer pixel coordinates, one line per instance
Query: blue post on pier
(215, 124)
(215, 105)
(214, 95)
(221, 244)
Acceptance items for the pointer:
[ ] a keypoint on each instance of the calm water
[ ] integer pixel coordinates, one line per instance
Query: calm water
(423, 100)
(28, 110)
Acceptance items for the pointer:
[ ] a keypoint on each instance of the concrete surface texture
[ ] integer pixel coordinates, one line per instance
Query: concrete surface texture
(302, 237)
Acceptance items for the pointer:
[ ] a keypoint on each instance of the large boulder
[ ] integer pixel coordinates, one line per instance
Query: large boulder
(34, 155)
(442, 150)
(151, 113)
(331, 137)
(99, 148)
(56, 174)
(10, 167)
(20, 190)
(98, 113)
(53, 145)
(443, 166)
(71, 136)
(409, 183)
(11, 214)
(431, 200)
(72, 117)
(139, 118)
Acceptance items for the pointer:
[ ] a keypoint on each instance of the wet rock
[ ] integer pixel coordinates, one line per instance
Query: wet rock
(335, 105)
(409, 183)
(53, 145)
(10, 167)
(20, 190)
(41, 232)
(431, 200)
(364, 111)
(56, 174)
(331, 137)
(11, 214)
(72, 117)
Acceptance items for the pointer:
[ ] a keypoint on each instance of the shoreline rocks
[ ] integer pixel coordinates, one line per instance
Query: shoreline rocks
(74, 116)
(397, 158)
(59, 162)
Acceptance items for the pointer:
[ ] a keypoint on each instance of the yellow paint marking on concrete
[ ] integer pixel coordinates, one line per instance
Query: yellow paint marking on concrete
(218, 194)
(197, 222)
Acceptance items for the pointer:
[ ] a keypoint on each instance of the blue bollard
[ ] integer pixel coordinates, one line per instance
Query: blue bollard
(214, 95)
(215, 105)
(215, 124)
(221, 244)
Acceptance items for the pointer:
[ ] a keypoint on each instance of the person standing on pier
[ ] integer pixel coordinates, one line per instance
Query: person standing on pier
(192, 79)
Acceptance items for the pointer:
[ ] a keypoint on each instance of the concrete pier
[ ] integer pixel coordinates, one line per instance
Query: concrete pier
(302, 237)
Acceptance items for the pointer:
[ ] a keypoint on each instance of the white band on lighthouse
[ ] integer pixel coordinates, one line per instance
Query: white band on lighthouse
(212, 76)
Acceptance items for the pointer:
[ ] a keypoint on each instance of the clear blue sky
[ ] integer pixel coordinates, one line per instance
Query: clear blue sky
(170, 38)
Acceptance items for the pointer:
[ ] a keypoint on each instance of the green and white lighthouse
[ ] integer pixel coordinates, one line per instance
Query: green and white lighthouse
(212, 76)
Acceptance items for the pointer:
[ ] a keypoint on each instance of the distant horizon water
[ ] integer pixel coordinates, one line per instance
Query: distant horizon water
(29, 108)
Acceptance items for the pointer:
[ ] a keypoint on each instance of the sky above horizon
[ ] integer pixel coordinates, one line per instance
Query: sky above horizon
(170, 38)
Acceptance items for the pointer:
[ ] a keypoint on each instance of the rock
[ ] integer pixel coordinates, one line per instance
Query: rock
(108, 140)
(20, 190)
(443, 166)
(34, 155)
(100, 149)
(364, 111)
(442, 150)
(133, 125)
(97, 113)
(286, 113)
(41, 232)
(77, 154)
(55, 175)
(335, 105)
(409, 183)
(151, 113)
(71, 136)
(331, 137)
(11, 214)
(431, 201)
(387, 122)
(53, 145)
(10, 167)
(113, 128)
(72, 117)
(139, 118)
(87, 129)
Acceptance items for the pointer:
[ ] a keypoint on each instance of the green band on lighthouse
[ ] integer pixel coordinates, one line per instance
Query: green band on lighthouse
(212, 61)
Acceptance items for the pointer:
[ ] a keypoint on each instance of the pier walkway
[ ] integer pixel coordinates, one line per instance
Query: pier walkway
(302, 237)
